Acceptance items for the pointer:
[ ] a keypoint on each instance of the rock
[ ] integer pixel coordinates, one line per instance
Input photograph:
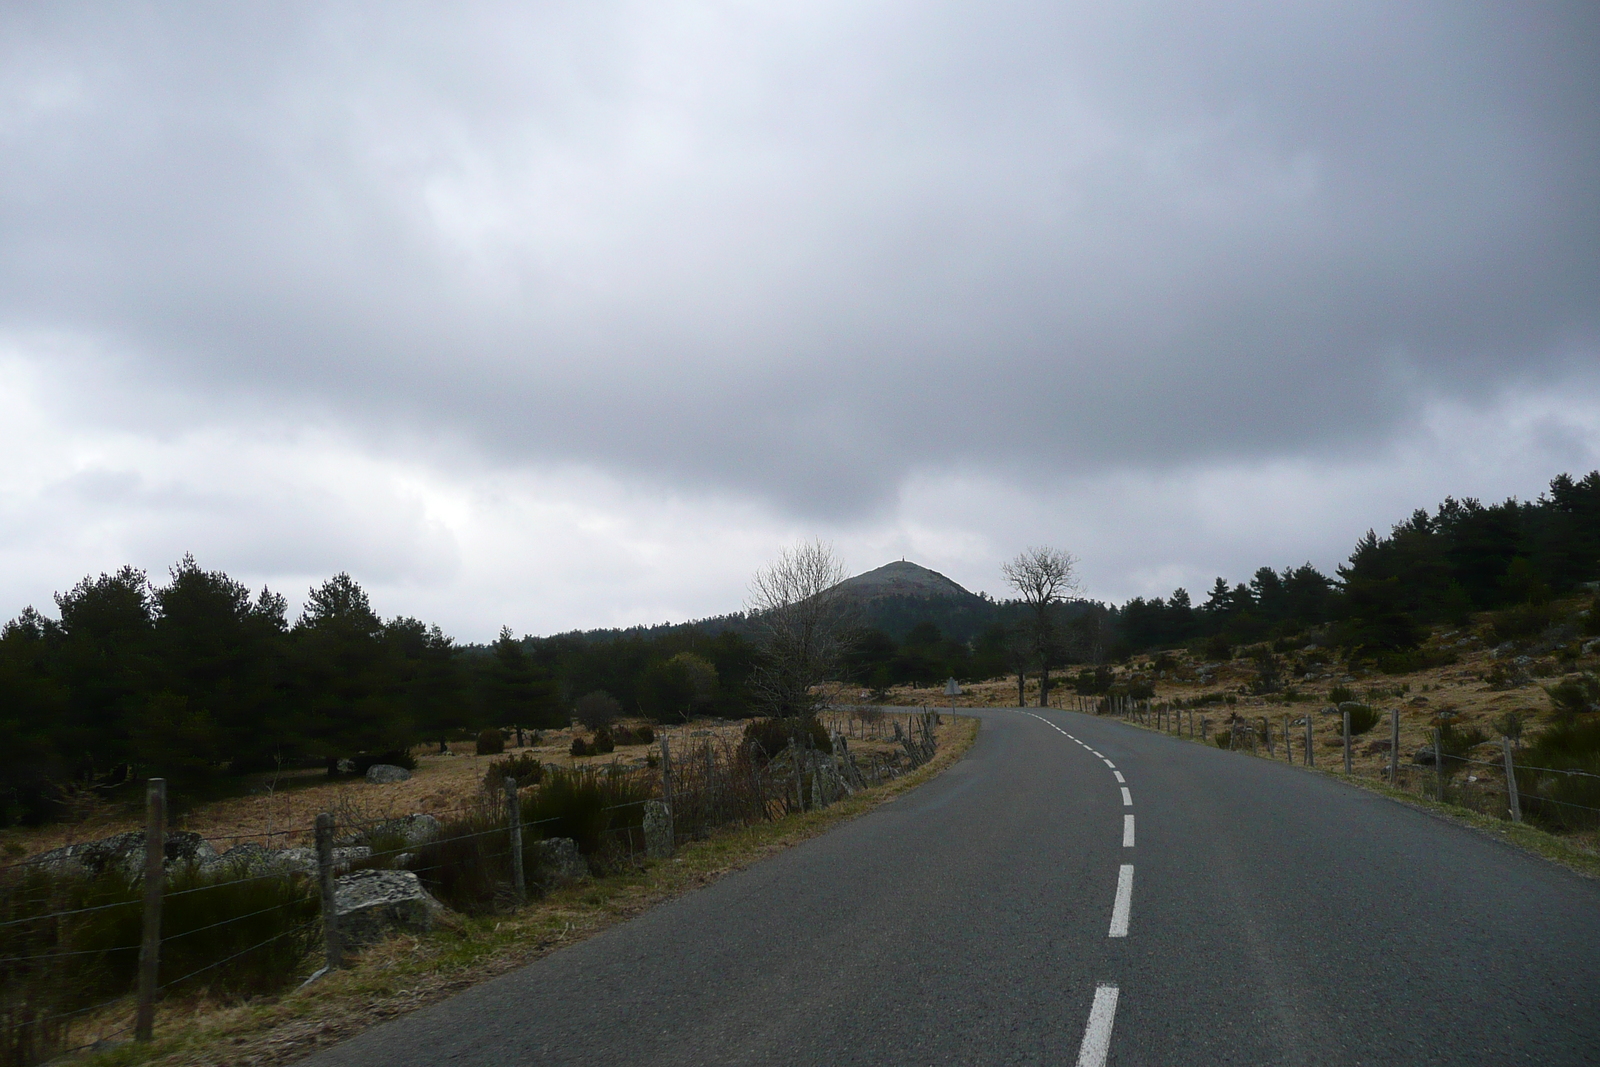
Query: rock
(244, 860)
(373, 904)
(559, 862)
(658, 841)
(1590, 647)
(409, 830)
(1424, 756)
(345, 766)
(387, 774)
(304, 860)
(125, 853)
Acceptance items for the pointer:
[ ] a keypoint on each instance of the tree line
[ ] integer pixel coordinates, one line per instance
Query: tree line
(196, 678)
(1432, 568)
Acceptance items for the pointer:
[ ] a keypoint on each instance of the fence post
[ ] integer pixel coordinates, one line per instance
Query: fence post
(1347, 740)
(1394, 747)
(1311, 752)
(155, 855)
(1288, 749)
(1511, 781)
(332, 957)
(519, 882)
(666, 790)
(1438, 763)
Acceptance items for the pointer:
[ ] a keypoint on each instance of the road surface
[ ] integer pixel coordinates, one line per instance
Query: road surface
(1074, 891)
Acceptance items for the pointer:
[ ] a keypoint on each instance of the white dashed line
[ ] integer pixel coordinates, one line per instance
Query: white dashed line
(1119, 910)
(1118, 774)
(1097, 1036)
(1127, 831)
(1113, 766)
(1101, 755)
(1127, 798)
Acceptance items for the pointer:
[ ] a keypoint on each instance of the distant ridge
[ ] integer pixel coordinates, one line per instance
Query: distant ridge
(904, 579)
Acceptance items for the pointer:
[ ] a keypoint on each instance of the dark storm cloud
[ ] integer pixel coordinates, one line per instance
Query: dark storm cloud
(803, 252)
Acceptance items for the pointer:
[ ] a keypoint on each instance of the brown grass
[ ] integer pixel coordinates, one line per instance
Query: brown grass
(408, 972)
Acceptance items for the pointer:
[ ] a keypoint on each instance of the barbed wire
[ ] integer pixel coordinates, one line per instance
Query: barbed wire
(242, 952)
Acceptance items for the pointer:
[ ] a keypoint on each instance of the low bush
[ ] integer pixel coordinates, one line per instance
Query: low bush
(603, 742)
(1552, 797)
(234, 937)
(1217, 648)
(1521, 622)
(1223, 737)
(1412, 660)
(771, 736)
(525, 768)
(1363, 717)
(646, 735)
(580, 747)
(490, 743)
(624, 736)
(1457, 742)
(1341, 694)
(595, 806)
(1574, 696)
(468, 865)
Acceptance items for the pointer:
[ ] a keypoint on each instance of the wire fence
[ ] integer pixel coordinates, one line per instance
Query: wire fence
(1453, 765)
(92, 939)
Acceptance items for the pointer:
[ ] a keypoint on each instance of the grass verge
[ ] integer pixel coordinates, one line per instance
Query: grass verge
(409, 972)
(1542, 843)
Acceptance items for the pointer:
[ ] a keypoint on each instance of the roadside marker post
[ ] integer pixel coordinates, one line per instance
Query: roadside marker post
(155, 855)
(1346, 740)
(1511, 781)
(1394, 746)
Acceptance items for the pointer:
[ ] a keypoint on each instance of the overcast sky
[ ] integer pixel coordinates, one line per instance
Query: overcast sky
(563, 315)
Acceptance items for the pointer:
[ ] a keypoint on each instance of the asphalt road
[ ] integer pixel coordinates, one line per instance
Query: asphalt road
(1000, 915)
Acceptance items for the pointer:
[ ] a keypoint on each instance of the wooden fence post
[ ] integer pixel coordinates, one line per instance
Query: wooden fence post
(666, 790)
(519, 882)
(1288, 749)
(1438, 763)
(1346, 740)
(332, 956)
(155, 855)
(1394, 747)
(1311, 752)
(1511, 781)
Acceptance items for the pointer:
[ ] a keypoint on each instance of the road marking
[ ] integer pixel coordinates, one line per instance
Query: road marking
(1113, 766)
(1097, 1035)
(1119, 776)
(1127, 831)
(1127, 798)
(1097, 754)
(1119, 910)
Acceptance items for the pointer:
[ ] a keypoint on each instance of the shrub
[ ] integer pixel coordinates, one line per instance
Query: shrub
(603, 742)
(1223, 737)
(1412, 660)
(646, 735)
(1341, 694)
(1521, 622)
(624, 736)
(1509, 725)
(1555, 799)
(74, 961)
(597, 709)
(490, 743)
(1363, 717)
(580, 747)
(467, 866)
(526, 769)
(1217, 648)
(1093, 682)
(1457, 743)
(591, 805)
(1574, 696)
(772, 736)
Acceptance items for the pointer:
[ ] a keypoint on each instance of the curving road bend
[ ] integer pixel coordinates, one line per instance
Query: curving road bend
(1074, 891)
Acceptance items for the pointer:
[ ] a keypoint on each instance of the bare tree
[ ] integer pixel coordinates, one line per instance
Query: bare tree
(1043, 577)
(801, 624)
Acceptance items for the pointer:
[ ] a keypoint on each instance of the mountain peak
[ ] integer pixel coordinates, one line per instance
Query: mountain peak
(907, 579)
